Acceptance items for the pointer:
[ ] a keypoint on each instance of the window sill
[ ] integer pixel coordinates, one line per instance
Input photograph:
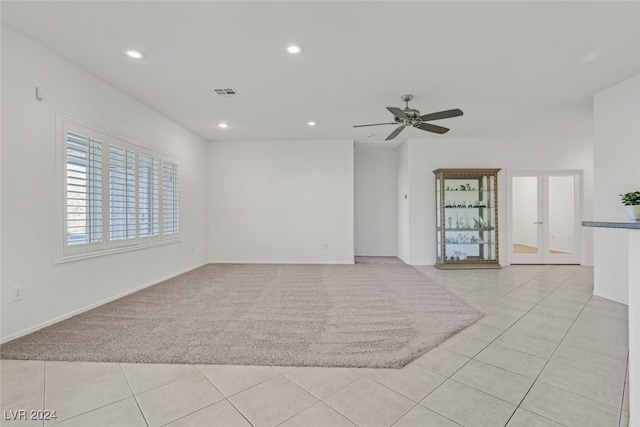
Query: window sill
(116, 250)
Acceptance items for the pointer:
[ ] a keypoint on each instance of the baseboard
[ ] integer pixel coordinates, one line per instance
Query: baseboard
(230, 261)
(94, 305)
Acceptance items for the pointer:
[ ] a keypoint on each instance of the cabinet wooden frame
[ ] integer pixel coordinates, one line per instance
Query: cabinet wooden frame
(477, 194)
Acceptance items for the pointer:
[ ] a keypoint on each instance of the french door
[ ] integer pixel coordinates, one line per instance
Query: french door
(544, 217)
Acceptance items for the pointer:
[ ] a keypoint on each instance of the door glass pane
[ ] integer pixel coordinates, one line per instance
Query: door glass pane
(561, 214)
(525, 215)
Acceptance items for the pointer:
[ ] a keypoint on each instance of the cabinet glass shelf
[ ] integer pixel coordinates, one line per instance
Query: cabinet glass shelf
(468, 229)
(469, 191)
(467, 218)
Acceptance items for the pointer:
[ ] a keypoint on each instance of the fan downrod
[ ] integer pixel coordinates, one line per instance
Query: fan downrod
(412, 116)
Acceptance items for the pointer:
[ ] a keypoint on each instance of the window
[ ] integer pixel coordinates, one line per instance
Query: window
(118, 193)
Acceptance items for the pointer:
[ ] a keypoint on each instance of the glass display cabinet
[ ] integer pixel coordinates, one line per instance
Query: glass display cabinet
(466, 218)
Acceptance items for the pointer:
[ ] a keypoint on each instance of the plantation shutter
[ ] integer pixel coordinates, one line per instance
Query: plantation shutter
(122, 193)
(83, 189)
(170, 220)
(115, 194)
(148, 196)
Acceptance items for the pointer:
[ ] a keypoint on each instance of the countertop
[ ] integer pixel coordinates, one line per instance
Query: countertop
(628, 224)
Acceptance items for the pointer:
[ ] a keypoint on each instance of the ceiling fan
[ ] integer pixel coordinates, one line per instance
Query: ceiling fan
(412, 117)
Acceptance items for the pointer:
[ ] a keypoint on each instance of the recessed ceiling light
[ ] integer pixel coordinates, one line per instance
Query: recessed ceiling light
(293, 48)
(311, 123)
(223, 125)
(134, 54)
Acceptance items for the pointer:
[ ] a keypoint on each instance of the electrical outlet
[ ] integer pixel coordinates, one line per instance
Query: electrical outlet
(325, 246)
(17, 293)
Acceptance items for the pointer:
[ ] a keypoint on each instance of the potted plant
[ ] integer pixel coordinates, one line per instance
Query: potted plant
(631, 202)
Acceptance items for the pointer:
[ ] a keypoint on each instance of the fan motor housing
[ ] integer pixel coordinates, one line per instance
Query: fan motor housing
(411, 112)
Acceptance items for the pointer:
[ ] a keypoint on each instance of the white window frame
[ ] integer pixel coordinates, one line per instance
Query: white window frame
(70, 252)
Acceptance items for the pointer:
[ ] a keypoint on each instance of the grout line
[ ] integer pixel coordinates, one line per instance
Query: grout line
(319, 402)
(210, 382)
(624, 389)
(238, 411)
(549, 293)
(193, 412)
(527, 312)
(133, 395)
(405, 412)
(338, 390)
(207, 406)
(244, 389)
(554, 351)
(90, 411)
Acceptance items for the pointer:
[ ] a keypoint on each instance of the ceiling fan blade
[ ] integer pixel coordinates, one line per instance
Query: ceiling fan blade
(432, 128)
(441, 115)
(375, 124)
(397, 112)
(395, 133)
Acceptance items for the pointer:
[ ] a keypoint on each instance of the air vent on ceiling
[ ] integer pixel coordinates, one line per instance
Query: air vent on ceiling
(226, 92)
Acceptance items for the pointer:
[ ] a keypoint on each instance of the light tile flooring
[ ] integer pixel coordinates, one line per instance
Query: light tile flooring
(547, 353)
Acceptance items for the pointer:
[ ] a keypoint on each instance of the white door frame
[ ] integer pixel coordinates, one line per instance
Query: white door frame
(543, 256)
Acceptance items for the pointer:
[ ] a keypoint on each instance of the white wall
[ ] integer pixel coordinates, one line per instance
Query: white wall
(426, 155)
(375, 191)
(52, 291)
(281, 201)
(617, 170)
(403, 205)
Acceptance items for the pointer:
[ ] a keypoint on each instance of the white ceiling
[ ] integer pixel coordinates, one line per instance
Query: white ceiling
(514, 68)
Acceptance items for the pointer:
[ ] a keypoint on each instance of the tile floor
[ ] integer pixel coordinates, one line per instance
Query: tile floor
(547, 353)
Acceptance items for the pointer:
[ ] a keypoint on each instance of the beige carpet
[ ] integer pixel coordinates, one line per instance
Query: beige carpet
(379, 312)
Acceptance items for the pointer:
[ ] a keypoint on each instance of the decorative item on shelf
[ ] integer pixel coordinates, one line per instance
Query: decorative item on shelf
(631, 202)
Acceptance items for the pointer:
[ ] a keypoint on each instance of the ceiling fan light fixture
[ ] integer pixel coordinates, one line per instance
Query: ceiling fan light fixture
(293, 49)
